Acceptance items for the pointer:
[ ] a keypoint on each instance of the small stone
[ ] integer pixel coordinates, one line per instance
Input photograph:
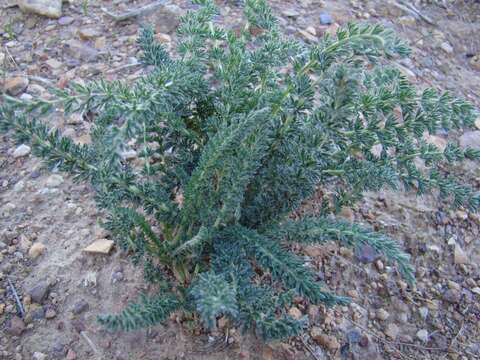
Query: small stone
(81, 51)
(39, 356)
(54, 181)
(353, 336)
(452, 296)
(71, 355)
(102, 246)
(347, 213)
(54, 64)
(392, 331)
(36, 250)
(475, 62)
(366, 254)
(471, 139)
(459, 256)
(291, 13)
(50, 313)
(22, 150)
(129, 155)
(379, 265)
(407, 20)
(422, 335)
(88, 33)
(364, 341)
(327, 341)
(66, 20)
(16, 85)
(445, 46)
(15, 326)
(423, 311)
(382, 314)
(326, 18)
(2, 308)
(75, 119)
(39, 292)
(295, 313)
(475, 290)
(80, 307)
(100, 42)
(49, 8)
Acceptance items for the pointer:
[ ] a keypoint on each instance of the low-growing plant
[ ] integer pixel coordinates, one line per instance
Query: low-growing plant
(201, 163)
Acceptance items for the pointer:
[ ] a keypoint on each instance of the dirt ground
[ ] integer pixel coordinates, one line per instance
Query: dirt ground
(63, 289)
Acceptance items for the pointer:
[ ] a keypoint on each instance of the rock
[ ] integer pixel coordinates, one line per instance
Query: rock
(470, 138)
(452, 296)
(102, 246)
(22, 150)
(15, 326)
(325, 18)
(50, 313)
(295, 313)
(422, 335)
(39, 292)
(39, 356)
(475, 290)
(71, 355)
(66, 20)
(88, 33)
(54, 181)
(423, 311)
(16, 85)
(54, 64)
(366, 254)
(347, 213)
(36, 250)
(459, 256)
(475, 62)
(353, 336)
(2, 308)
(382, 314)
(80, 307)
(445, 46)
(74, 119)
(81, 51)
(129, 155)
(49, 8)
(291, 13)
(327, 341)
(392, 331)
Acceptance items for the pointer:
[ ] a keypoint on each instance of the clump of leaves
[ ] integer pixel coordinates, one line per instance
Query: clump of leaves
(231, 135)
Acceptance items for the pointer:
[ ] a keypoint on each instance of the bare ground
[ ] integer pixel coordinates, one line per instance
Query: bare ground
(386, 316)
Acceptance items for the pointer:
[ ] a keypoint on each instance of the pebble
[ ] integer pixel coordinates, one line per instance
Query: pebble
(49, 8)
(50, 313)
(445, 46)
(470, 138)
(71, 355)
(80, 307)
(66, 20)
(88, 33)
(292, 13)
(366, 254)
(354, 336)
(15, 326)
(16, 85)
(54, 181)
(39, 292)
(295, 313)
(36, 250)
(39, 356)
(327, 341)
(459, 256)
(475, 62)
(452, 296)
(54, 64)
(423, 312)
(382, 314)
(102, 246)
(326, 18)
(75, 119)
(81, 51)
(422, 335)
(22, 150)
(392, 331)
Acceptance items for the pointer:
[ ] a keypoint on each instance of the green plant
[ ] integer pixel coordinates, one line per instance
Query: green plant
(232, 134)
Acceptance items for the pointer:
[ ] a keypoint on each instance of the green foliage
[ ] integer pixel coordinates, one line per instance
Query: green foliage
(232, 135)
